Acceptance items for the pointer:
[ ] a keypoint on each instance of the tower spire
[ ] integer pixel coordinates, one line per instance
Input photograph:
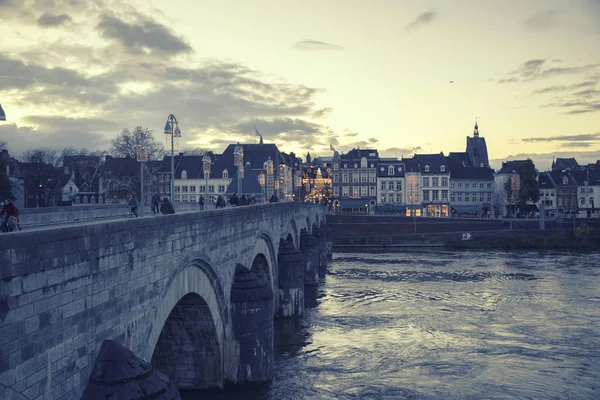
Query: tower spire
(476, 129)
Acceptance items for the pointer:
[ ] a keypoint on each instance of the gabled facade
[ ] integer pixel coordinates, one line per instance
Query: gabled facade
(435, 184)
(471, 188)
(566, 192)
(191, 182)
(391, 182)
(547, 193)
(508, 172)
(356, 172)
(412, 185)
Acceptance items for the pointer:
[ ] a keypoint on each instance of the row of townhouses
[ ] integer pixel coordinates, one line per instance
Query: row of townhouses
(459, 184)
(431, 185)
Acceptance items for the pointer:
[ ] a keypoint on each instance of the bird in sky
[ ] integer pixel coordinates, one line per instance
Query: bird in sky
(451, 81)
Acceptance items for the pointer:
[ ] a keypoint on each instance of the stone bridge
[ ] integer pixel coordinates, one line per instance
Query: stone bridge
(194, 294)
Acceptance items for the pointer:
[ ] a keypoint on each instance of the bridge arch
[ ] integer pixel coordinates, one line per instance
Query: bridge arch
(291, 232)
(189, 328)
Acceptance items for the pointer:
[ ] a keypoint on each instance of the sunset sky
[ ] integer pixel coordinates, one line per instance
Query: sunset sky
(351, 73)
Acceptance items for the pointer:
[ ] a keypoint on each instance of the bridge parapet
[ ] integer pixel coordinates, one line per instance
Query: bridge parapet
(64, 290)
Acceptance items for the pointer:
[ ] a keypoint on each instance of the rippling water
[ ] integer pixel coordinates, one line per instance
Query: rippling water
(444, 325)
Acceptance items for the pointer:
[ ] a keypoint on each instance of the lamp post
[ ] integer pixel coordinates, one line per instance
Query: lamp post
(238, 161)
(206, 167)
(142, 157)
(269, 174)
(172, 128)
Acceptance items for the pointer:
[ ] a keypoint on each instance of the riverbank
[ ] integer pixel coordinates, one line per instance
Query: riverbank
(360, 233)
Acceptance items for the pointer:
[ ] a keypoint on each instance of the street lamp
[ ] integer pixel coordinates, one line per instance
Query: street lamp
(141, 156)
(172, 128)
(2, 114)
(238, 161)
(206, 168)
(269, 175)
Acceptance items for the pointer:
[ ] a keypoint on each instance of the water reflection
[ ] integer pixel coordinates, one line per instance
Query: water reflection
(443, 325)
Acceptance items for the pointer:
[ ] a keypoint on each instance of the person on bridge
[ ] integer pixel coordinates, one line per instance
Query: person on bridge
(10, 214)
(220, 202)
(233, 200)
(133, 205)
(155, 203)
(201, 202)
(166, 206)
(273, 199)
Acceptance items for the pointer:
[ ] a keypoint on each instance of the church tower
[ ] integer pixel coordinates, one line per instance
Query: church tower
(477, 149)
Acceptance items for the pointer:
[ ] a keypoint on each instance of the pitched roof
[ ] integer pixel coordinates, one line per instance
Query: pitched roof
(477, 150)
(508, 167)
(434, 161)
(358, 154)
(250, 184)
(462, 158)
(564, 163)
(545, 181)
(120, 167)
(255, 154)
(384, 168)
(411, 165)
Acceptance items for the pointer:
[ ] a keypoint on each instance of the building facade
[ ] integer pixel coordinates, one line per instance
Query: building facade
(435, 184)
(357, 175)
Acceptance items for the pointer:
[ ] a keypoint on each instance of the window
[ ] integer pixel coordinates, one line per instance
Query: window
(225, 174)
(383, 198)
(211, 188)
(345, 165)
(184, 174)
(336, 177)
(489, 197)
(425, 195)
(435, 181)
(425, 181)
(398, 186)
(372, 177)
(444, 195)
(363, 177)
(481, 185)
(383, 185)
(474, 197)
(489, 186)
(336, 167)
(355, 191)
(202, 189)
(222, 188)
(452, 197)
(364, 191)
(391, 170)
(453, 185)
(184, 189)
(345, 178)
(336, 191)
(467, 185)
(193, 189)
(355, 177)
(459, 197)
(481, 199)
(460, 185)
(442, 168)
(390, 185)
(372, 190)
(363, 162)
(177, 189)
(436, 195)
(345, 191)
(355, 165)
(444, 181)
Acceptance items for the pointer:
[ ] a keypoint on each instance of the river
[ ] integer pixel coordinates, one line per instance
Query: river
(440, 324)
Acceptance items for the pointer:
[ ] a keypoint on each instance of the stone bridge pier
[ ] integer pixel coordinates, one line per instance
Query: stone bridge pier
(194, 295)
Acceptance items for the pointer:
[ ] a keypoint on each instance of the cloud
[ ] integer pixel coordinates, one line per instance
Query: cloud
(400, 151)
(50, 20)
(543, 21)
(315, 45)
(422, 20)
(534, 70)
(145, 33)
(584, 137)
(562, 88)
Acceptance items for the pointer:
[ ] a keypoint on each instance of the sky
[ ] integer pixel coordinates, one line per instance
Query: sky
(401, 76)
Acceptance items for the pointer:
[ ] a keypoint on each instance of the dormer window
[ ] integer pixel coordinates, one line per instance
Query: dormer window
(363, 162)
(184, 174)
(225, 174)
(391, 170)
(442, 168)
(399, 169)
(427, 168)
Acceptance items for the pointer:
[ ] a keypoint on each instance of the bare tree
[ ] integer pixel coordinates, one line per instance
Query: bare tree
(125, 144)
(42, 155)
